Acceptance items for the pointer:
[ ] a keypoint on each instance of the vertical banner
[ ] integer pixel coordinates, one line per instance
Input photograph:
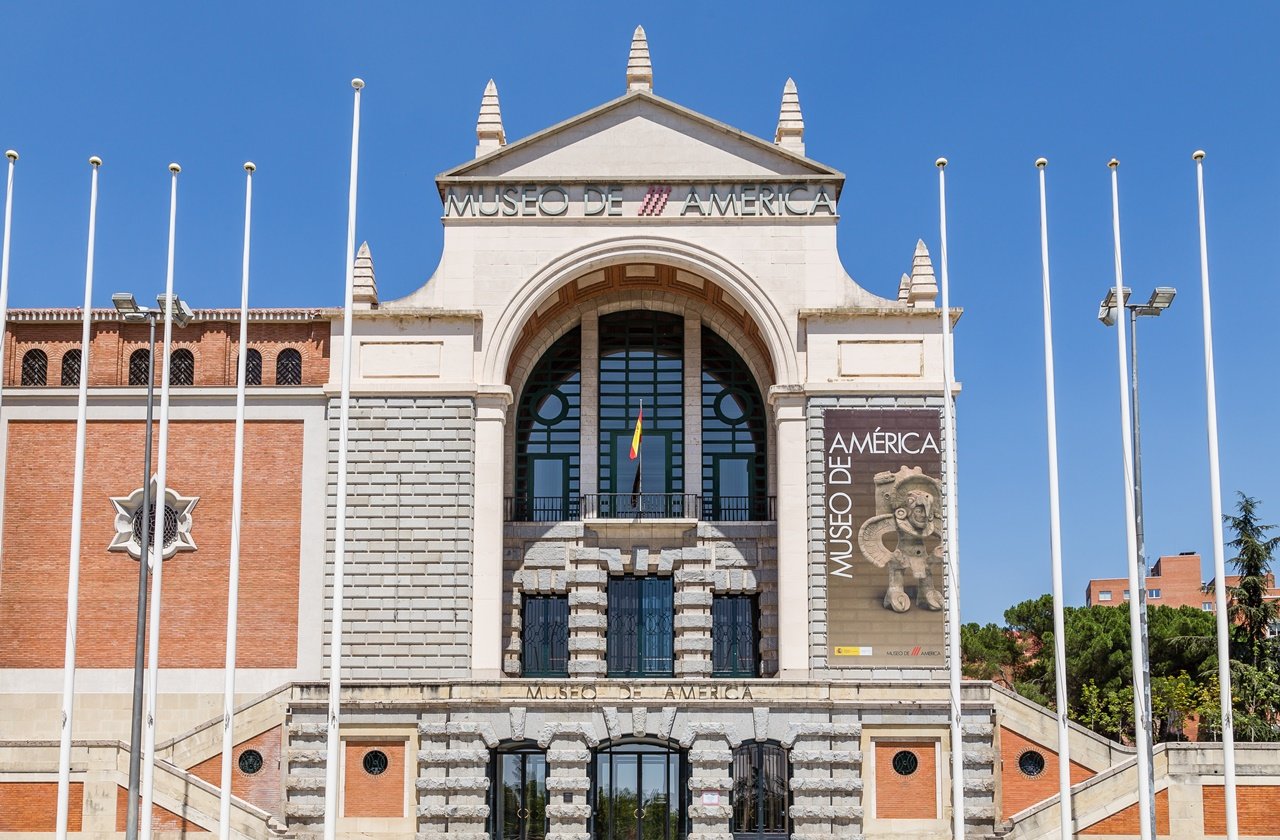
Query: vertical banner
(882, 523)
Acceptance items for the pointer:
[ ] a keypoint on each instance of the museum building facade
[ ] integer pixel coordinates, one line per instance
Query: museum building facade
(555, 628)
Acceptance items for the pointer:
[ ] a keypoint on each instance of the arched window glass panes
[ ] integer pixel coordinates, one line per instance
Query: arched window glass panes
(518, 794)
(71, 367)
(139, 367)
(35, 368)
(734, 482)
(182, 368)
(289, 367)
(760, 781)
(639, 638)
(642, 363)
(549, 435)
(638, 793)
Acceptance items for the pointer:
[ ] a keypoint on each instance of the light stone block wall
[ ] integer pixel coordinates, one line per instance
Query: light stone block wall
(410, 497)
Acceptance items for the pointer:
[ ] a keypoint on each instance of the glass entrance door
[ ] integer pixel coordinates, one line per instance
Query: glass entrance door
(638, 793)
(521, 809)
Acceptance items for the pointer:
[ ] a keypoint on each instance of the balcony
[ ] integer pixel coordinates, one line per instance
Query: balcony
(626, 506)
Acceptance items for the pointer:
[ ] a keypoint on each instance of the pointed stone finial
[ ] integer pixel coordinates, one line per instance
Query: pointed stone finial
(364, 291)
(490, 134)
(904, 288)
(639, 67)
(923, 293)
(790, 133)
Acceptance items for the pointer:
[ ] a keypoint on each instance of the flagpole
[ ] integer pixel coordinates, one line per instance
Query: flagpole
(77, 508)
(1055, 529)
(1142, 741)
(1215, 503)
(953, 523)
(4, 258)
(157, 529)
(237, 500)
(333, 747)
(640, 453)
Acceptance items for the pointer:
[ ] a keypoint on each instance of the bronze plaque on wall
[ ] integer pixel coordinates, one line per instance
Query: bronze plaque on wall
(883, 530)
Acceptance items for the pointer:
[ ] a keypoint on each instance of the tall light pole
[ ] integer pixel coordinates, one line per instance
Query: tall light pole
(132, 313)
(1159, 301)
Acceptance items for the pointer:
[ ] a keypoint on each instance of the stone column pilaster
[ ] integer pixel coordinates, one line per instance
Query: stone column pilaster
(486, 580)
(790, 458)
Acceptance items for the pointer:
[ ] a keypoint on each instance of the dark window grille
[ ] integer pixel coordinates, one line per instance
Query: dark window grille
(376, 762)
(139, 367)
(250, 762)
(182, 368)
(545, 635)
(638, 792)
(170, 525)
(905, 762)
(734, 466)
(252, 369)
(1031, 763)
(549, 434)
(71, 367)
(518, 793)
(35, 368)
(760, 781)
(640, 627)
(289, 367)
(734, 640)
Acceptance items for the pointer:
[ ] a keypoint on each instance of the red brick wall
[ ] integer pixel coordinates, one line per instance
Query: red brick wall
(33, 806)
(374, 796)
(261, 788)
(37, 516)
(1020, 790)
(913, 797)
(1126, 822)
(1257, 810)
(214, 344)
(162, 819)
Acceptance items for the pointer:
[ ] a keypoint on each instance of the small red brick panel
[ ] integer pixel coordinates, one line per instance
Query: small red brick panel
(33, 572)
(1021, 791)
(913, 797)
(162, 819)
(1125, 823)
(261, 788)
(33, 806)
(366, 795)
(1257, 810)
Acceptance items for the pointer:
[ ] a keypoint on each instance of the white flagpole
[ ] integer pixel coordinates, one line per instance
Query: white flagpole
(1055, 529)
(237, 496)
(1141, 733)
(953, 523)
(1215, 502)
(157, 531)
(77, 507)
(333, 752)
(4, 257)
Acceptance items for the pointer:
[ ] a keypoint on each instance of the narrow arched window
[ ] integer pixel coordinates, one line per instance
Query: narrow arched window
(733, 436)
(35, 368)
(182, 368)
(289, 367)
(252, 368)
(549, 435)
(760, 780)
(71, 367)
(139, 367)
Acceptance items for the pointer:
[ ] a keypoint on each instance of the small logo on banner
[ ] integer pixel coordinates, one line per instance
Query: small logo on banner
(655, 201)
(853, 651)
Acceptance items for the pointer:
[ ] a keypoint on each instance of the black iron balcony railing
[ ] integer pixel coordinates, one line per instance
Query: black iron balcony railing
(639, 506)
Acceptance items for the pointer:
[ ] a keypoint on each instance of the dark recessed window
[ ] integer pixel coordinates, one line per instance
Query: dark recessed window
(376, 762)
(252, 368)
(905, 762)
(139, 367)
(71, 367)
(733, 636)
(289, 367)
(760, 780)
(640, 636)
(170, 526)
(35, 368)
(545, 635)
(182, 368)
(1031, 763)
(250, 762)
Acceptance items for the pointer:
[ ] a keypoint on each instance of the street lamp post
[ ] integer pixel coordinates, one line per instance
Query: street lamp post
(132, 313)
(1159, 301)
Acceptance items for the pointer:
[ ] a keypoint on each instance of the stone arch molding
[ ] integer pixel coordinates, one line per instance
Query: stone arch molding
(670, 252)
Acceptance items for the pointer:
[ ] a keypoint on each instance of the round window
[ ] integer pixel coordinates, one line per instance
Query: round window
(905, 762)
(375, 762)
(170, 525)
(1031, 763)
(731, 406)
(250, 762)
(550, 408)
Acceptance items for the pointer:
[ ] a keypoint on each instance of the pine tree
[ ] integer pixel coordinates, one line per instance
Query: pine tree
(1250, 608)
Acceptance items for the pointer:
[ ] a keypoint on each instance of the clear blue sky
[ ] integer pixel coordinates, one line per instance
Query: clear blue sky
(885, 89)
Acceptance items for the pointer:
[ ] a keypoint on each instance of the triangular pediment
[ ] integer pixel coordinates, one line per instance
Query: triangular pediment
(636, 137)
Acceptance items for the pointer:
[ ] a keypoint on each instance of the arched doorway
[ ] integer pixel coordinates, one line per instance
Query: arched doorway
(518, 807)
(638, 791)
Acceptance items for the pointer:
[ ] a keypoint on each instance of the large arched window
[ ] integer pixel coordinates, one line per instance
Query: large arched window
(638, 792)
(252, 368)
(549, 434)
(518, 792)
(71, 367)
(35, 368)
(760, 780)
(734, 480)
(139, 367)
(289, 367)
(182, 367)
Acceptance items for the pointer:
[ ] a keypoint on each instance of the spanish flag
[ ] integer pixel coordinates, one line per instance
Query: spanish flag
(635, 438)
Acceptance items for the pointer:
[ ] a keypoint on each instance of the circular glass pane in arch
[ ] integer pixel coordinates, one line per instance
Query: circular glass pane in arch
(250, 762)
(1031, 763)
(376, 762)
(733, 405)
(905, 762)
(550, 407)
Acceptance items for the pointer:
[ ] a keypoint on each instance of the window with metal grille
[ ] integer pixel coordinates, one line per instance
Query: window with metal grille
(640, 627)
(734, 641)
(182, 368)
(35, 368)
(544, 623)
(549, 434)
(147, 523)
(734, 478)
(252, 368)
(289, 367)
(139, 367)
(71, 367)
(760, 780)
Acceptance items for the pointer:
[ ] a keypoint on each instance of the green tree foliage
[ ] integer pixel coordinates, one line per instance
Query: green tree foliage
(989, 653)
(1250, 609)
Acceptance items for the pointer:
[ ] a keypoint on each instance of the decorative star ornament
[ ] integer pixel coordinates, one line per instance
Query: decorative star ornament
(127, 508)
